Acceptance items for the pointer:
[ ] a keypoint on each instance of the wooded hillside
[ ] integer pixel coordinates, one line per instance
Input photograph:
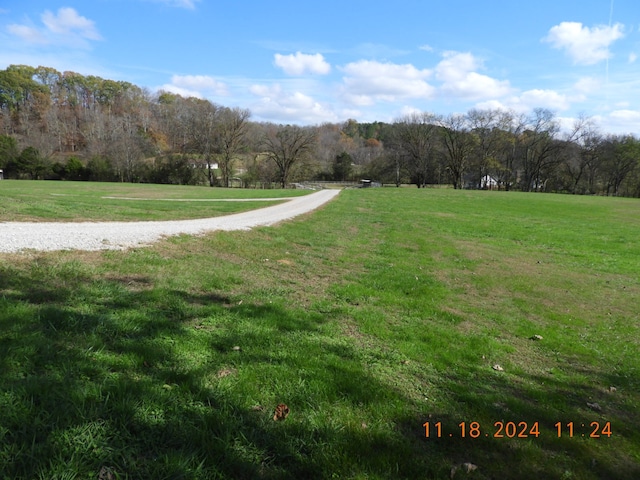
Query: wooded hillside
(69, 126)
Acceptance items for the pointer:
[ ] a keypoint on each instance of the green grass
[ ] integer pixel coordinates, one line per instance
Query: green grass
(379, 312)
(23, 200)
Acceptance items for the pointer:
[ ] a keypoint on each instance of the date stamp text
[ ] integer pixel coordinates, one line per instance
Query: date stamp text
(503, 429)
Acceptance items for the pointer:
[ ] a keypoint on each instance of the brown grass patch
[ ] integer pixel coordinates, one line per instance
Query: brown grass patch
(225, 372)
(135, 283)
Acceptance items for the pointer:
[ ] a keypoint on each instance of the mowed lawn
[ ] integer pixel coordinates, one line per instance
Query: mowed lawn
(22, 201)
(505, 323)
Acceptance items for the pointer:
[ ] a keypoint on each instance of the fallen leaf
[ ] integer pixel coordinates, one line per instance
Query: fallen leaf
(282, 411)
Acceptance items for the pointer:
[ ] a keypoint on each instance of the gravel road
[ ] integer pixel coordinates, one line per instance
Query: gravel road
(17, 236)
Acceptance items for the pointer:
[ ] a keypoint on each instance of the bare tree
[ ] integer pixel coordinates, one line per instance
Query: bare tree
(458, 146)
(414, 141)
(203, 120)
(331, 143)
(490, 129)
(125, 148)
(230, 139)
(539, 150)
(287, 147)
(582, 153)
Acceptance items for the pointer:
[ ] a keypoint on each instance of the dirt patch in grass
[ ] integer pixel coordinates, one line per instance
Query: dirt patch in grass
(226, 372)
(133, 282)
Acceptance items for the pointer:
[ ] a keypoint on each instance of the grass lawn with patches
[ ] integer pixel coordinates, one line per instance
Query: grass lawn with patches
(382, 311)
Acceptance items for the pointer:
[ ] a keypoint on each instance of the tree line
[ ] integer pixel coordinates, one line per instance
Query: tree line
(64, 125)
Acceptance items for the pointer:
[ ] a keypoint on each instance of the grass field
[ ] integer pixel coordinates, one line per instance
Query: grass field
(382, 312)
(92, 201)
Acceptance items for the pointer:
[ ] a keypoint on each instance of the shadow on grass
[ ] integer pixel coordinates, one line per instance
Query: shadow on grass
(116, 378)
(110, 379)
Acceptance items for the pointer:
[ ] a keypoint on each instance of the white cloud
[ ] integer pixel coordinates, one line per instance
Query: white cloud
(367, 81)
(409, 110)
(301, 63)
(296, 107)
(28, 34)
(492, 105)
(199, 86)
(426, 48)
(68, 22)
(586, 46)
(621, 121)
(583, 88)
(528, 101)
(66, 27)
(457, 72)
(633, 57)
(537, 98)
(455, 66)
(587, 85)
(626, 116)
(567, 124)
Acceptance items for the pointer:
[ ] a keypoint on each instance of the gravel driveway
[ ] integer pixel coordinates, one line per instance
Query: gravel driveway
(16, 236)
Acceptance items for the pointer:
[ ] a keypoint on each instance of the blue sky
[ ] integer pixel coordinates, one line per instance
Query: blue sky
(315, 62)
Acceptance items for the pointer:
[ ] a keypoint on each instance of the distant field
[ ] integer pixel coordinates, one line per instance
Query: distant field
(22, 200)
(506, 323)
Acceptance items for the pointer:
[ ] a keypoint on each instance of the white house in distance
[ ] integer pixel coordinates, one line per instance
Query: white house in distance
(488, 183)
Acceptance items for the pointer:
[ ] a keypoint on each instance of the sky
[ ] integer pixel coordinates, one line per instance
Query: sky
(309, 63)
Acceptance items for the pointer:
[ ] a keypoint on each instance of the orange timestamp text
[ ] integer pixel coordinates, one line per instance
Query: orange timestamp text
(503, 429)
